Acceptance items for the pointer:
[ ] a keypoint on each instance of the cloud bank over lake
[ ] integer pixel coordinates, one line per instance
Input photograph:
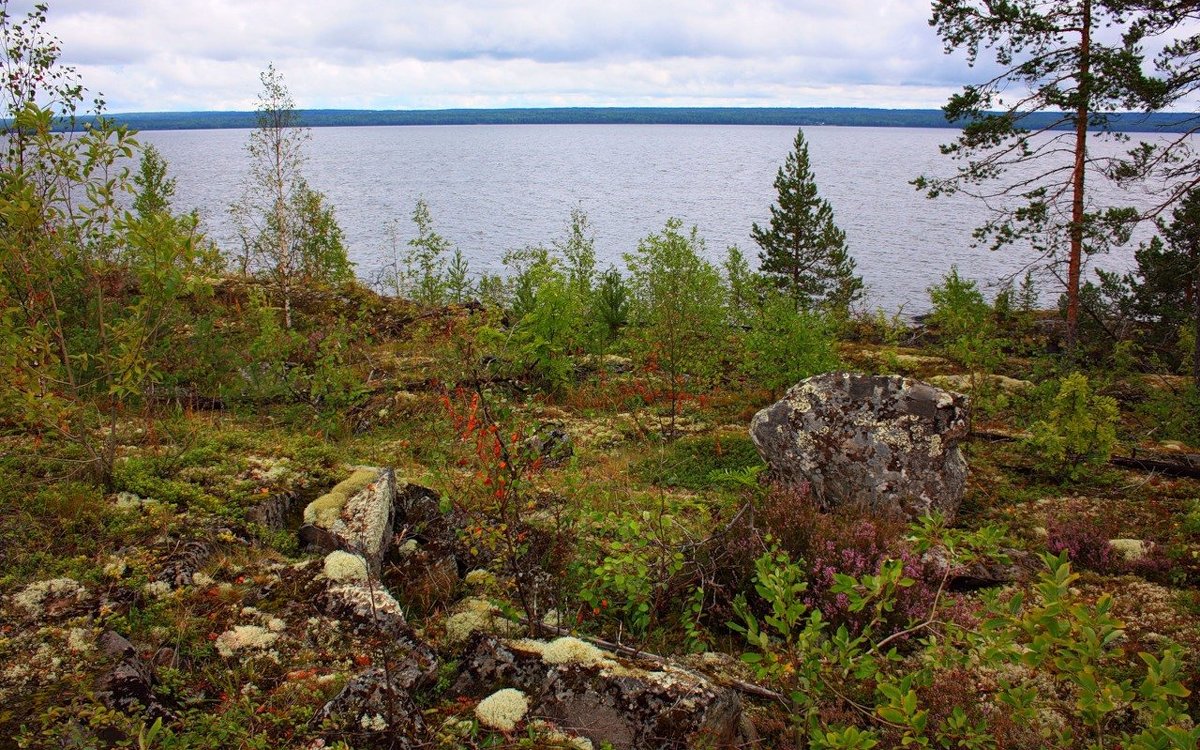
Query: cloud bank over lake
(149, 55)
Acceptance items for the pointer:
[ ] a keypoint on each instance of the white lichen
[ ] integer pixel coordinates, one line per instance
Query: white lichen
(475, 615)
(568, 650)
(245, 638)
(552, 734)
(1130, 549)
(157, 589)
(373, 723)
(80, 640)
(503, 709)
(410, 547)
(116, 568)
(344, 566)
(33, 597)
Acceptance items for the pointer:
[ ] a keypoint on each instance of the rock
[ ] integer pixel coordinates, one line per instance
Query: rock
(128, 686)
(369, 704)
(272, 513)
(184, 562)
(587, 692)
(885, 442)
(356, 515)
(367, 610)
(1131, 550)
(552, 444)
(371, 611)
(1002, 383)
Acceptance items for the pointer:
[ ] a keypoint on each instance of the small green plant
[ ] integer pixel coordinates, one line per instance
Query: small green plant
(1080, 431)
(785, 344)
(965, 324)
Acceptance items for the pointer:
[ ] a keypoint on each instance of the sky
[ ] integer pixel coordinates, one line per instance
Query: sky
(181, 55)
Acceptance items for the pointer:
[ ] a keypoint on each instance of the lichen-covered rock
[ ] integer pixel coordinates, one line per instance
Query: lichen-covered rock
(552, 443)
(885, 442)
(368, 609)
(602, 698)
(1001, 383)
(128, 685)
(52, 598)
(369, 705)
(356, 515)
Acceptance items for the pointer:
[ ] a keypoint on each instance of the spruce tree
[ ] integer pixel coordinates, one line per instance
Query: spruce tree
(803, 251)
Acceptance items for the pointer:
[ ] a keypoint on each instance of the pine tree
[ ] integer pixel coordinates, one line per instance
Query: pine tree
(803, 251)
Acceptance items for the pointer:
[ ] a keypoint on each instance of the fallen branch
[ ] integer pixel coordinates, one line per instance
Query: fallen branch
(1177, 465)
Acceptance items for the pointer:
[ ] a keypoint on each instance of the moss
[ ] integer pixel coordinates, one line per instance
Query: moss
(325, 509)
(691, 463)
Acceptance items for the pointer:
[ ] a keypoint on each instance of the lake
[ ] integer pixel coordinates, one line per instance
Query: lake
(495, 187)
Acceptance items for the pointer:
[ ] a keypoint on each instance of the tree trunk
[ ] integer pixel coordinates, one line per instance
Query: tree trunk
(1075, 262)
(1196, 321)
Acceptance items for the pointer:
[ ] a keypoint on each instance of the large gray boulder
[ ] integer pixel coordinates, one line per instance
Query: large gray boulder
(887, 443)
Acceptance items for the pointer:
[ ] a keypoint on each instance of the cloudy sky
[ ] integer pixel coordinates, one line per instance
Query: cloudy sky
(162, 55)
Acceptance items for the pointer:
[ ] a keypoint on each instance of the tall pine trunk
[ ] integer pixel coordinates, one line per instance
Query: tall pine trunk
(1075, 263)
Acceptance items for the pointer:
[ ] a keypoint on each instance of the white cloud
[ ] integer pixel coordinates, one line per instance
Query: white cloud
(206, 54)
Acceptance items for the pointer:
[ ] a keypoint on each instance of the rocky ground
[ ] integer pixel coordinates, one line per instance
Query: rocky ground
(246, 584)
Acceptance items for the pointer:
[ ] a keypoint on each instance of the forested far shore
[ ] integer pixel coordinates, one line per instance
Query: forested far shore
(1165, 122)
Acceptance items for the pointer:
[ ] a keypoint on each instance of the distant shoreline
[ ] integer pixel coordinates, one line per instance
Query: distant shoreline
(1167, 122)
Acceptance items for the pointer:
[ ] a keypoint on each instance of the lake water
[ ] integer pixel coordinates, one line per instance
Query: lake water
(493, 188)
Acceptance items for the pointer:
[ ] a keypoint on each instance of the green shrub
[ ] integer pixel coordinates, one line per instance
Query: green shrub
(1081, 430)
(965, 323)
(785, 344)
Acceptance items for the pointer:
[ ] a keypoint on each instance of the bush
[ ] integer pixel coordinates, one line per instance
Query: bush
(965, 323)
(844, 542)
(1081, 430)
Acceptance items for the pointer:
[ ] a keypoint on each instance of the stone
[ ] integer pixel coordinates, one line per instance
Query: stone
(355, 516)
(369, 704)
(128, 686)
(370, 611)
(185, 561)
(272, 513)
(552, 443)
(367, 609)
(602, 698)
(1001, 383)
(887, 443)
